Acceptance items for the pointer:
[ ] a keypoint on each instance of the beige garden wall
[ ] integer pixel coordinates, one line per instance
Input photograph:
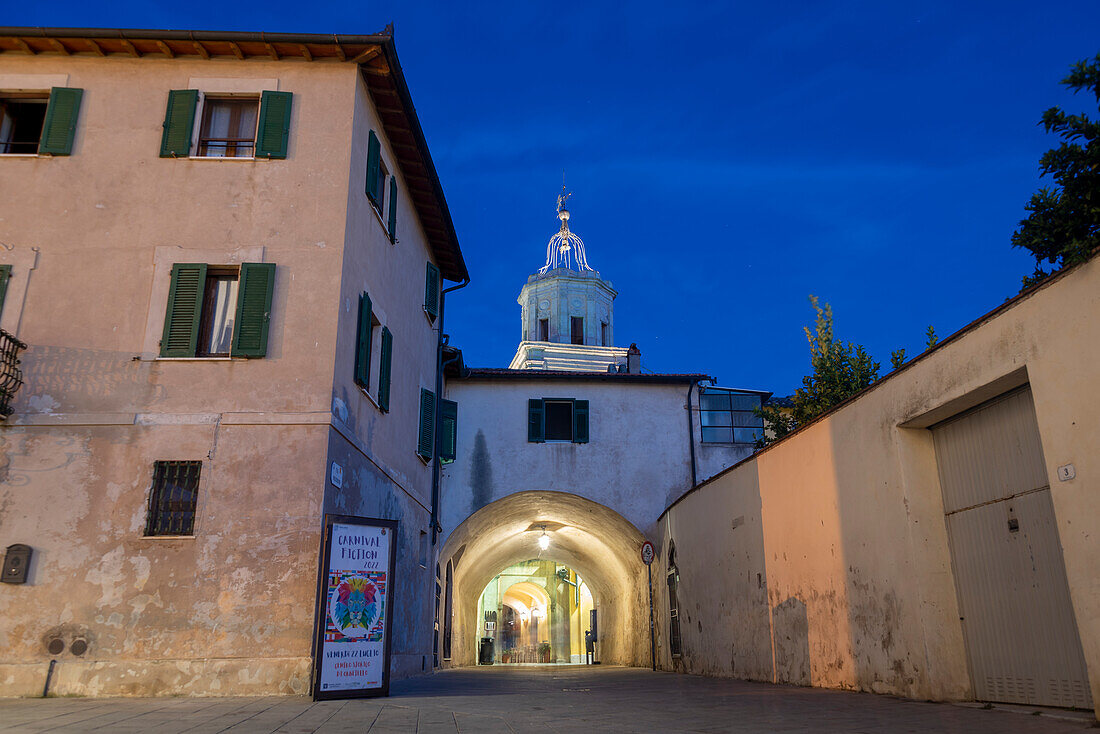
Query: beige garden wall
(824, 559)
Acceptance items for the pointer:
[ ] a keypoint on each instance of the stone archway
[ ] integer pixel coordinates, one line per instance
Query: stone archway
(593, 539)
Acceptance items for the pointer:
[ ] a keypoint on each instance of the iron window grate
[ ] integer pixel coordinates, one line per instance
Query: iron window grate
(173, 498)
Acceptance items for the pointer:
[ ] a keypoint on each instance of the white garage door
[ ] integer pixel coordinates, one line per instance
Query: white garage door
(1021, 634)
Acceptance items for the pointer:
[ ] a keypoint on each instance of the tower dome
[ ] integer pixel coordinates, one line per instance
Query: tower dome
(567, 310)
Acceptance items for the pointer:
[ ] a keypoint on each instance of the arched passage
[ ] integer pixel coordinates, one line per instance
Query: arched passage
(589, 537)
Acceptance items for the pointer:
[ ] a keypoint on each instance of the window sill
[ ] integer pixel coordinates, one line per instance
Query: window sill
(371, 398)
(426, 461)
(224, 158)
(168, 537)
(25, 155)
(428, 316)
(200, 359)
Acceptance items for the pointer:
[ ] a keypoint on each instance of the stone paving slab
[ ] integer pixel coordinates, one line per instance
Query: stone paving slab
(542, 700)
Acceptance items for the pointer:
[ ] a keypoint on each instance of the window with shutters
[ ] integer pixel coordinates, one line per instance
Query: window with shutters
(384, 204)
(727, 416)
(21, 118)
(431, 291)
(379, 199)
(245, 126)
(562, 420)
(173, 498)
(373, 355)
(39, 122)
(425, 440)
(448, 426)
(228, 127)
(218, 310)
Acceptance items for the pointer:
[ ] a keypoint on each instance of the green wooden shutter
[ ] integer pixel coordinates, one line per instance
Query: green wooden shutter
(535, 420)
(362, 343)
(253, 310)
(5, 276)
(181, 320)
(59, 128)
(431, 291)
(393, 209)
(426, 439)
(374, 160)
(179, 123)
(273, 129)
(384, 370)
(448, 443)
(580, 421)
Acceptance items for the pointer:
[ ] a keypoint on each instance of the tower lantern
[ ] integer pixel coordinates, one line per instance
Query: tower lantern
(567, 310)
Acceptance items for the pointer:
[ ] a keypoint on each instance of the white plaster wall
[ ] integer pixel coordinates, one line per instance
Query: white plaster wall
(636, 460)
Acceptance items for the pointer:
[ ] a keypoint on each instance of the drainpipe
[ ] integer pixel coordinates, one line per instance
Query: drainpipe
(691, 427)
(438, 413)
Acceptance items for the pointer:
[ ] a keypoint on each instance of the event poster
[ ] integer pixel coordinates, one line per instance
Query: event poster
(352, 651)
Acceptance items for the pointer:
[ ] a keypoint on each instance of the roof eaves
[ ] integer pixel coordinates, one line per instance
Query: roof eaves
(447, 250)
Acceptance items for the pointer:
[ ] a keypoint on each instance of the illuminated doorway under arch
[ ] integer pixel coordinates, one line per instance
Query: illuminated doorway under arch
(536, 611)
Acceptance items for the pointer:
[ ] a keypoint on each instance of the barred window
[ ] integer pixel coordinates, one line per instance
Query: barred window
(173, 498)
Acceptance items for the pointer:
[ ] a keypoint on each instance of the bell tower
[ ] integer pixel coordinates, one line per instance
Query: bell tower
(567, 311)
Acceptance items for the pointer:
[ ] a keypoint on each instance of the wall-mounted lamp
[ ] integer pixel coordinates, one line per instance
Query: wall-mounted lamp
(544, 539)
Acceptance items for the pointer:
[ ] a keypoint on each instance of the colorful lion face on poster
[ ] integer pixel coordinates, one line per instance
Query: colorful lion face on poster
(354, 606)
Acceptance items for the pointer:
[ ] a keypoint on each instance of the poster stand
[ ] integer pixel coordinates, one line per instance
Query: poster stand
(354, 612)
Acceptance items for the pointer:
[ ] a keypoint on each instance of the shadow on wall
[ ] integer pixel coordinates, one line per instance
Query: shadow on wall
(791, 637)
(57, 379)
(481, 474)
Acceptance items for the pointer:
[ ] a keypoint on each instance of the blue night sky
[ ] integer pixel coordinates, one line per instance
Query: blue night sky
(726, 159)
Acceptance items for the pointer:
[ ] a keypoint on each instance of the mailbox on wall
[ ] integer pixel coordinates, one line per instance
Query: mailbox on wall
(17, 561)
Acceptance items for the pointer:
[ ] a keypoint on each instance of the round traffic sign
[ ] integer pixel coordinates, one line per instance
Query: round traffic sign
(647, 553)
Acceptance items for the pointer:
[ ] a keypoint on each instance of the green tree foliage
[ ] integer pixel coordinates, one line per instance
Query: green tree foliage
(838, 371)
(1063, 227)
(897, 358)
(930, 337)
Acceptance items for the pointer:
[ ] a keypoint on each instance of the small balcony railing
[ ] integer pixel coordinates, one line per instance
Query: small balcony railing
(11, 377)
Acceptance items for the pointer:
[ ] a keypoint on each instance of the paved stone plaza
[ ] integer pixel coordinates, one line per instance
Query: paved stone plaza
(539, 699)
